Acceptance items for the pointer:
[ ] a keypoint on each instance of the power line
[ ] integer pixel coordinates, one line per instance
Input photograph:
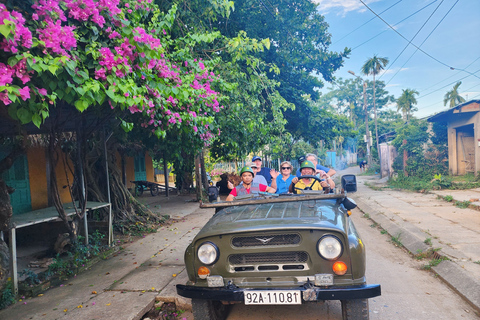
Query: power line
(366, 22)
(442, 100)
(421, 44)
(445, 86)
(427, 54)
(434, 85)
(405, 48)
(408, 17)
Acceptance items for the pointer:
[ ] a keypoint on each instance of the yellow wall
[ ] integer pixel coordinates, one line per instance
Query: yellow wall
(149, 168)
(130, 168)
(37, 166)
(37, 170)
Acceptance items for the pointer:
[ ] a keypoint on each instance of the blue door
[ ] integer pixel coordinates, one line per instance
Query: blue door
(331, 157)
(17, 177)
(140, 171)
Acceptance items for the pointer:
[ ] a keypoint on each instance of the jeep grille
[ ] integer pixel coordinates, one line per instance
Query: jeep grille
(270, 240)
(268, 258)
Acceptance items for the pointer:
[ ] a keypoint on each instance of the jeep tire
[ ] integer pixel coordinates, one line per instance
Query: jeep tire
(356, 309)
(209, 310)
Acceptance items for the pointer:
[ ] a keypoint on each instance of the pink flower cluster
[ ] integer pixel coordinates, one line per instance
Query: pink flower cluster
(49, 10)
(122, 62)
(19, 71)
(22, 36)
(143, 37)
(84, 10)
(59, 39)
(112, 33)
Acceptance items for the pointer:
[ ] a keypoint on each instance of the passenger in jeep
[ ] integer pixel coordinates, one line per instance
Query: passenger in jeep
(307, 168)
(248, 186)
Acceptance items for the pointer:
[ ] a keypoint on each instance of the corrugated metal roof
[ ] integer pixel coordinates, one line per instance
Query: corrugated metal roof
(441, 116)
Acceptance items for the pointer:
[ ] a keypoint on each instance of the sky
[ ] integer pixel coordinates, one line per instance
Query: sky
(448, 31)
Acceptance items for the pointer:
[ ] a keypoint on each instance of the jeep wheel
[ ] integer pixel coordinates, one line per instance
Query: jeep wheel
(209, 310)
(355, 309)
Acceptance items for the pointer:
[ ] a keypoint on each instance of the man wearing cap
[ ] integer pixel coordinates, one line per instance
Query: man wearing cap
(258, 178)
(248, 186)
(319, 168)
(266, 172)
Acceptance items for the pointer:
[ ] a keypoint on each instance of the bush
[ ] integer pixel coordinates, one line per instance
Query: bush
(6, 296)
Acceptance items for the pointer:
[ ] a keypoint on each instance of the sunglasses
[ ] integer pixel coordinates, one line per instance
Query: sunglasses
(286, 168)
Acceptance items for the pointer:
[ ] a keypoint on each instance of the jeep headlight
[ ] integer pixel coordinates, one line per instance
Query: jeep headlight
(329, 247)
(207, 253)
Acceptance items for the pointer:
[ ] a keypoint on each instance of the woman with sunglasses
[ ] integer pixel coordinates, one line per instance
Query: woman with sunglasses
(284, 179)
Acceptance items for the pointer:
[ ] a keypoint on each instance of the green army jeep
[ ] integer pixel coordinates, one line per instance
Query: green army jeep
(278, 250)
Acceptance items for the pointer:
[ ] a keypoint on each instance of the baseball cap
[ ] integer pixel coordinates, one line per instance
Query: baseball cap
(256, 158)
(252, 165)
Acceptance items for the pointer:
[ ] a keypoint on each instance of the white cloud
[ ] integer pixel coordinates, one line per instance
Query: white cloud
(345, 6)
(392, 71)
(392, 85)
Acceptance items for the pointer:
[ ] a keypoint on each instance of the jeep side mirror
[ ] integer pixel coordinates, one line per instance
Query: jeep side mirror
(349, 183)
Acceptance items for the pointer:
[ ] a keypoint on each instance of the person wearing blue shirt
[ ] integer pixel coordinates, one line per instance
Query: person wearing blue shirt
(263, 170)
(314, 159)
(284, 179)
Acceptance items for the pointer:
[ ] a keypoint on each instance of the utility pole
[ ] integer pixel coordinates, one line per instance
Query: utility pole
(367, 133)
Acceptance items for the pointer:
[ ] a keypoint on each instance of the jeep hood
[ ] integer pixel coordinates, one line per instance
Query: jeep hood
(314, 214)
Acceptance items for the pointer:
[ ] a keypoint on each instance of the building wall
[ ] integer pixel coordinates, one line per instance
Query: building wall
(455, 152)
(388, 153)
(149, 168)
(130, 168)
(37, 170)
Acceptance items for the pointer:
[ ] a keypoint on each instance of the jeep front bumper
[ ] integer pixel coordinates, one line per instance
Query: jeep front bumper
(233, 293)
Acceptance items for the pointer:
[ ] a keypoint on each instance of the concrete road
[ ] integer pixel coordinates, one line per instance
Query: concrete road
(408, 292)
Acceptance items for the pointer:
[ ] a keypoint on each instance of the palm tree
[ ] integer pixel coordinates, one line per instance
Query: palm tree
(406, 101)
(373, 66)
(452, 97)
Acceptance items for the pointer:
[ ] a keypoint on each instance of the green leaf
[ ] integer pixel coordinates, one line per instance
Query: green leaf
(36, 67)
(77, 79)
(6, 28)
(53, 68)
(111, 95)
(52, 85)
(127, 126)
(100, 97)
(12, 112)
(83, 74)
(80, 91)
(37, 120)
(12, 61)
(24, 115)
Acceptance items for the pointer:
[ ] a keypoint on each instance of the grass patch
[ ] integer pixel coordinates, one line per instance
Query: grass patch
(447, 198)
(434, 182)
(477, 262)
(428, 241)
(396, 240)
(374, 187)
(366, 215)
(462, 204)
(433, 263)
(384, 231)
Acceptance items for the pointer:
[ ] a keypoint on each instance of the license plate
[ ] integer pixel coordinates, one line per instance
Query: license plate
(323, 279)
(273, 297)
